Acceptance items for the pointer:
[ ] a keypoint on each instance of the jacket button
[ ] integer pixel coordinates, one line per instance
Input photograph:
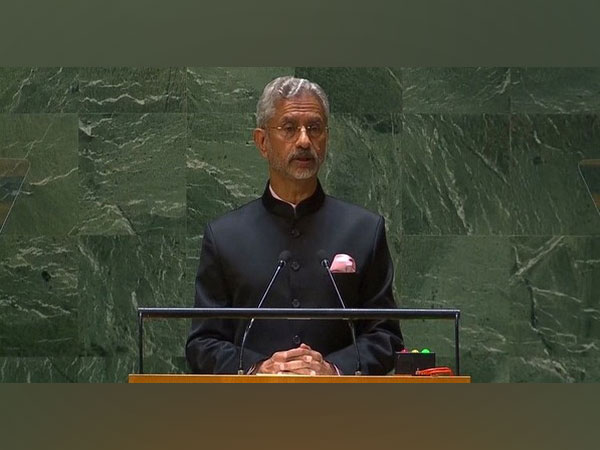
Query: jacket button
(295, 265)
(296, 303)
(295, 232)
(297, 340)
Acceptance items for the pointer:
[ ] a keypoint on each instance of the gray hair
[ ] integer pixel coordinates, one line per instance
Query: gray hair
(283, 88)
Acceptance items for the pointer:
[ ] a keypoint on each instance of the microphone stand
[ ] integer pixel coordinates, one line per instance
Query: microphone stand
(325, 263)
(280, 265)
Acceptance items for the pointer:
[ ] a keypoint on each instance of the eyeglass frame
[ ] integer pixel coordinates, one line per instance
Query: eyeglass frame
(307, 129)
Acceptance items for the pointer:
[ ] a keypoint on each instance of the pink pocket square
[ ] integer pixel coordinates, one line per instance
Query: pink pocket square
(343, 263)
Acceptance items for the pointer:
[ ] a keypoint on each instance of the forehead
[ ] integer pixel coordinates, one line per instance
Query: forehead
(306, 105)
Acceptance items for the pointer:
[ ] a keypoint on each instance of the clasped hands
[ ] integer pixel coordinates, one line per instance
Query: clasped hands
(301, 360)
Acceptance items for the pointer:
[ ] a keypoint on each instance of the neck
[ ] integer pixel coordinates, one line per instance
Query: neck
(293, 191)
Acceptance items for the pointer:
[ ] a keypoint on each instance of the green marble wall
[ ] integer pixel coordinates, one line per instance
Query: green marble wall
(475, 170)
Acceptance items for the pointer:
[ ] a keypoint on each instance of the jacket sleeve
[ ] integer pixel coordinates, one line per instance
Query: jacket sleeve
(211, 346)
(377, 341)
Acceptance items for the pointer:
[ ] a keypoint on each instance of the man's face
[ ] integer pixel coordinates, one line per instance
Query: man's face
(300, 156)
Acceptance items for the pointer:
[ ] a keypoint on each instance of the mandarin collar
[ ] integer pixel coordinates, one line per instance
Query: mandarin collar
(283, 209)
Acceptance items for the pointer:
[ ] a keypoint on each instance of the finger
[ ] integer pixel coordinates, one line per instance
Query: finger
(269, 366)
(294, 355)
(289, 354)
(306, 358)
(322, 368)
(291, 365)
(295, 365)
(315, 356)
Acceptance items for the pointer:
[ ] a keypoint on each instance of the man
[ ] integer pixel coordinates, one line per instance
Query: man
(240, 251)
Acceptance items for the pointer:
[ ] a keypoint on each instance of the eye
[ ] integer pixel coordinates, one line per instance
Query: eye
(315, 130)
(288, 128)
(316, 127)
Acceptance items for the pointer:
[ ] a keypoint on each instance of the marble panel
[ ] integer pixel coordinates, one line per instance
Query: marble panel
(550, 196)
(192, 260)
(47, 202)
(469, 273)
(456, 90)
(590, 172)
(456, 171)
(132, 173)
(38, 370)
(485, 367)
(224, 168)
(539, 369)
(92, 89)
(38, 296)
(555, 90)
(363, 164)
(229, 89)
(117, 275)
(358, 90)
(117, 369)
(555, 309)
(12, 176)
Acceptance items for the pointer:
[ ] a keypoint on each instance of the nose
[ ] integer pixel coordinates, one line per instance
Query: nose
(303, 140)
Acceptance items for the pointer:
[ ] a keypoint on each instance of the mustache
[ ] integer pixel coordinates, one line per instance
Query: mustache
(303, 154)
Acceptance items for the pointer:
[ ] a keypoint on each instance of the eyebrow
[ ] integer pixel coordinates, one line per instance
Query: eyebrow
(292, 118)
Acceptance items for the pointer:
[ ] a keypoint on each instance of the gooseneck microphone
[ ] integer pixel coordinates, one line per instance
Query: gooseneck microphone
(284, 256)
(325, 263)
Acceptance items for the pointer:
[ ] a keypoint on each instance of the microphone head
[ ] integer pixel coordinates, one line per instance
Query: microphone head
(285, 256)
(322, 255)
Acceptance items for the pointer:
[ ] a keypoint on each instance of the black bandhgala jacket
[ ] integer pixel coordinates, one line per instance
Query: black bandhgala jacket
(239, 254)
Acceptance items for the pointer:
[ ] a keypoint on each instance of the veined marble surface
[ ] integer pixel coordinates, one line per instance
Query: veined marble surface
(466, 90)
(476, 171)
(39, 297)
(92, 89)
(590, 171)
(132, 173)
(12, 176)
(48, 202)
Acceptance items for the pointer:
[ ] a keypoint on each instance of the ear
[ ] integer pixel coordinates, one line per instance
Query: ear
(260, 140)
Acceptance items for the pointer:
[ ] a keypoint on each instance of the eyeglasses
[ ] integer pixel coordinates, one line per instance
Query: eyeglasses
(290, 132)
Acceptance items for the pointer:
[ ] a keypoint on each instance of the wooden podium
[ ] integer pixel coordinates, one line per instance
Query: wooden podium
(277, 379)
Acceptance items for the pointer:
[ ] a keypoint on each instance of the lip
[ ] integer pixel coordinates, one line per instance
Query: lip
(304, 161)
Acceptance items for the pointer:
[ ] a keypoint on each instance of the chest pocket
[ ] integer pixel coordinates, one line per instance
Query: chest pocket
(348, 284)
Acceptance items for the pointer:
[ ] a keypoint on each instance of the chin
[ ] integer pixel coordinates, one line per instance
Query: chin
(304, 174)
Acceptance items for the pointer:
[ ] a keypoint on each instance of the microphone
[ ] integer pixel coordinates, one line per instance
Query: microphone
(325, 263)
(284, 256)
